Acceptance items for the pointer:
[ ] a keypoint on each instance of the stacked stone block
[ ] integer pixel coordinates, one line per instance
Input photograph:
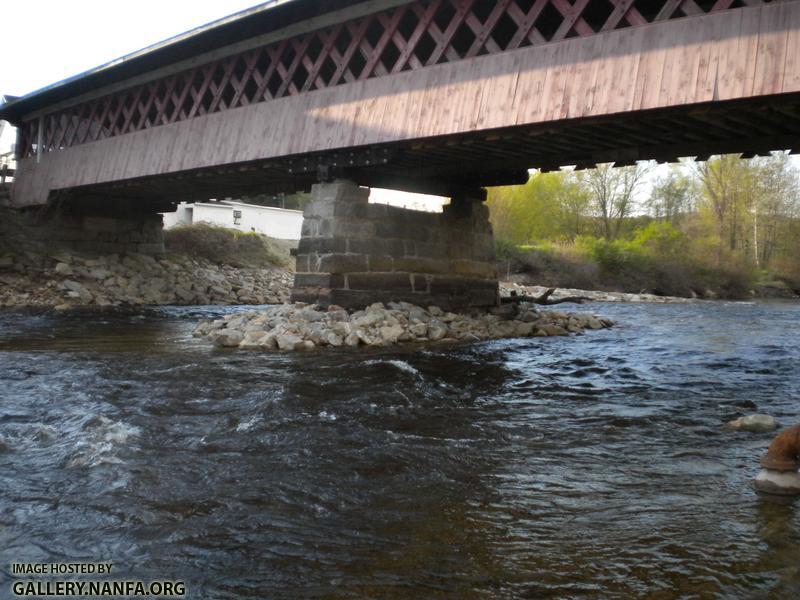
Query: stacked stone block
(353, 253)
(140, 233)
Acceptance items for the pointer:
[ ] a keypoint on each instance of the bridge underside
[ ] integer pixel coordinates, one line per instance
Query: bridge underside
(461, 164)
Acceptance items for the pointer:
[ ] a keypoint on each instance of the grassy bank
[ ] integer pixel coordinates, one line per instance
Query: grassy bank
(224, 246)
(654, 261)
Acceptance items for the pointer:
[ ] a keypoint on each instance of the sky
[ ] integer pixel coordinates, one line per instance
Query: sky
(75, 36)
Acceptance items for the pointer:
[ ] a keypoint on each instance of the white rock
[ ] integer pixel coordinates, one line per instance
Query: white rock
(226, 338)
(252, 339)
(369, 319)
(310, 315)
(754, 423)
(77, 291)
(418, 329)
(524, 329)
(436, 330)
(504, 329)
(100, 274)
(418, 314)
(289, 341)
(782, 483)
(334, 340)
(594, 323)
(63, 269)
(185, 295)
(268, 342)
(391, 333)
(553, 330)
(342, 328)
(365, 338)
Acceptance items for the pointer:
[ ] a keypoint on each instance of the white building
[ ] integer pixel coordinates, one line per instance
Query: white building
(277, 223)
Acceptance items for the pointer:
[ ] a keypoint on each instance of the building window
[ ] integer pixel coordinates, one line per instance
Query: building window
(237, 217)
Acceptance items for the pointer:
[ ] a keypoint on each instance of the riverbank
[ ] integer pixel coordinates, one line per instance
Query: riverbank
(296, 327)
(629, 274)
(65, 281)
(203, 265)
(508, 289)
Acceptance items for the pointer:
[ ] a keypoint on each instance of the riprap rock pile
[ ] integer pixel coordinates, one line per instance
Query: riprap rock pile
(301, 327)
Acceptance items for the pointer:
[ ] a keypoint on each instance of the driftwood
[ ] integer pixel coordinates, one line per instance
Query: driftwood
(544, 299)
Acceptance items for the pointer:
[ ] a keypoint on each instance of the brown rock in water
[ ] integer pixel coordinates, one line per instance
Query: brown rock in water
(784, 452)
(553, 330)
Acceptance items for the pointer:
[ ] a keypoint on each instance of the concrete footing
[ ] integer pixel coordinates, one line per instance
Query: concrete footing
(353, 253)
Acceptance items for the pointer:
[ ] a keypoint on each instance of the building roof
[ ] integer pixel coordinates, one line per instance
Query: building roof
(234, 204)
(258, 20)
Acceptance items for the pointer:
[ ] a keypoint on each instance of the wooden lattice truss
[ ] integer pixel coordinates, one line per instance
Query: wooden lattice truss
(408, 37)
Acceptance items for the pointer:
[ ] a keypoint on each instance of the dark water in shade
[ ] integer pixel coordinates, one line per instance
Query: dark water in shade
(589, 467)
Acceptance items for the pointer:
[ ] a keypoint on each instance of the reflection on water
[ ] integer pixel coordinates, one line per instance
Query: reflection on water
(583, 467)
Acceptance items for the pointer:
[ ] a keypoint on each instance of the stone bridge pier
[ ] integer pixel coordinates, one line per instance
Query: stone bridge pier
(353, 253)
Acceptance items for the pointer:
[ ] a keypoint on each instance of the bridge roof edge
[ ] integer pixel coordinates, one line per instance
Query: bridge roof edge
(259, 19)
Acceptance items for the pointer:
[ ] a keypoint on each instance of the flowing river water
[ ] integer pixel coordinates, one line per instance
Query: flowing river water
(586, 467)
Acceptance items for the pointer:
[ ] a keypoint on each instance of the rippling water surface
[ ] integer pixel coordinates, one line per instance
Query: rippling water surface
(592, 466)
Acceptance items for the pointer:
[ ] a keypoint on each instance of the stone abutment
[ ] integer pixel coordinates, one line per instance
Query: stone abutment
(123, 233)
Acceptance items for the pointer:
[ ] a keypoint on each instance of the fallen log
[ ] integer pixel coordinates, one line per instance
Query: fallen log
(544, 299)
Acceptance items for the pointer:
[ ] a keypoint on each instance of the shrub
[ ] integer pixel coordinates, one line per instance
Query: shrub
(660, 240)
(221, 245)
(555, 266)
(659, 259)
(612, 256)
(736, 279)
(505, 249)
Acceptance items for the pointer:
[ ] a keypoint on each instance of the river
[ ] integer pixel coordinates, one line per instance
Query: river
(590, 467)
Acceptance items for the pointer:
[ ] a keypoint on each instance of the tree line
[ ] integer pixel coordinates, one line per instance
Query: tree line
(727, 212)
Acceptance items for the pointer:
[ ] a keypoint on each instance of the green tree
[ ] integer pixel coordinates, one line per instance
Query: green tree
(673, 196)
(774, 208)
(613, 191)
(551, 206)
(575, 201)
(727, 183)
